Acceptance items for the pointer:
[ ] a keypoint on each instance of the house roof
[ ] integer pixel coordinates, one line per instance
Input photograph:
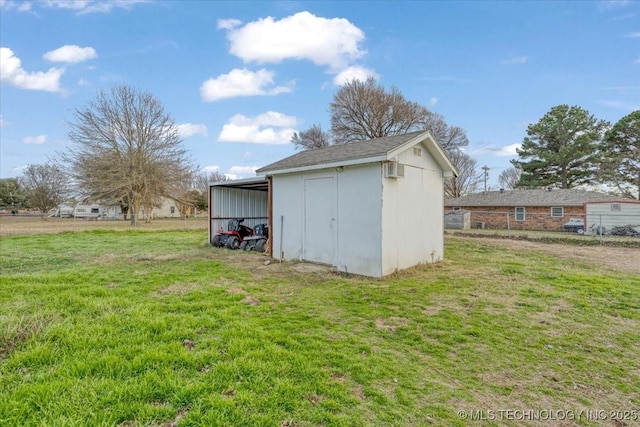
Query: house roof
(542, 197)
(380, 149)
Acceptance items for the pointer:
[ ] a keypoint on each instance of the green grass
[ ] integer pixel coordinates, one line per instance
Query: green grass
(562, 237)
(159, 329)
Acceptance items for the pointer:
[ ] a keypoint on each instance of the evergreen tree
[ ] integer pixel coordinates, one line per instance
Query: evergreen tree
(561, 149)
(621, 156)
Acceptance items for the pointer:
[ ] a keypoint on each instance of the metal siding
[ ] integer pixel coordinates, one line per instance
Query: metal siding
(600, 214)
(359, 224)
(320, 220)
(237, 203)
(288, 218)
(412, 214)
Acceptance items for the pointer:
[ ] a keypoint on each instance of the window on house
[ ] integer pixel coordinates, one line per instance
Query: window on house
(417, 151)
(173, 210)
(615, 207)
(520, 215)
(557, 211)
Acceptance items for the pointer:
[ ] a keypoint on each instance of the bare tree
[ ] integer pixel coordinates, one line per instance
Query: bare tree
(126, 149)
(201, 180)
(314, 137)
(201, 184)
(365, 110)
(509, 178)
(468, 178)
(47, 186)
(449, 137)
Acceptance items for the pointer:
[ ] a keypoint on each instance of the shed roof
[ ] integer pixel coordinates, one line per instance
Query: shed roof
(254, 183)
(380, 149)
(538, 197)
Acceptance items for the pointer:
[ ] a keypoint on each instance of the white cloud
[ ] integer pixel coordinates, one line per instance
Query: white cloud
(40, 139)
(621, 105)
(70, 53)
(508, 150)
(267, 128)
(516, 60)
(270, 118)
(92, 6)
(189, 129)
(634, 35)
(253, 134)
(212, 168)
(330, 42)
(637, 61)
(11, 71)
(353, 72)
(242, 170)
(433, 101)
(20, 6)
(1, 121)
(241, 82)
(228, 24)
(608, 4)
(24, 7)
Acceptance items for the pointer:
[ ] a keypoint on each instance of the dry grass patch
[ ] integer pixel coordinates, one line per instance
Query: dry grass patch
(177, 289)
(22, 329)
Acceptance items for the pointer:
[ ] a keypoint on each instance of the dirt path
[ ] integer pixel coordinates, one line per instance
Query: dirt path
(622, 259)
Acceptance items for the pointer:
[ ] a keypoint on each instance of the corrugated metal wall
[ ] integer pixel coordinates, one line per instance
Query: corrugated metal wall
(229, 203)
(611, 214)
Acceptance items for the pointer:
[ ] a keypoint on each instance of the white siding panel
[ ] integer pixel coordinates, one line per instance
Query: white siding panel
(288, 216)
(412, 214)
(360, 220)
(357, 227)
(320, 220)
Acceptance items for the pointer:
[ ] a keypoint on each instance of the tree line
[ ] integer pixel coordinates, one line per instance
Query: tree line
(567, 147)
(125, 149)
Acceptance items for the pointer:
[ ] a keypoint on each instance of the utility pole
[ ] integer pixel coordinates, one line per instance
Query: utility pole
(485, 168)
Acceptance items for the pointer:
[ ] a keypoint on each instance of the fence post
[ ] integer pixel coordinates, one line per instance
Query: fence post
(508, 225)
(600, 230)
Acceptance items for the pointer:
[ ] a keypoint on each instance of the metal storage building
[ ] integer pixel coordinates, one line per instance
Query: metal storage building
(604, 216)
(369, 208)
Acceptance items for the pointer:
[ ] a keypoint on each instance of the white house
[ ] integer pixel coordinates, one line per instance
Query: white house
(369, 208)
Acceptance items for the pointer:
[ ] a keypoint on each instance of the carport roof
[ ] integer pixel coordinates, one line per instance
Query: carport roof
(258, 183)
(380, 149)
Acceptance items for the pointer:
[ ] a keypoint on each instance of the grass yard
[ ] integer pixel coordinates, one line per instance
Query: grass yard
(140, 328)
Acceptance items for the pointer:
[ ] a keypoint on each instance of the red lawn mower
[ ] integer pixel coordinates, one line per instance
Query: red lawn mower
(233, 235)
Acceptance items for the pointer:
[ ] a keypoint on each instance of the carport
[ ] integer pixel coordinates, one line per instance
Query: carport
(248, 198)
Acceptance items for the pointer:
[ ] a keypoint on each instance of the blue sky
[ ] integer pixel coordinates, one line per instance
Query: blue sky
(239, 77)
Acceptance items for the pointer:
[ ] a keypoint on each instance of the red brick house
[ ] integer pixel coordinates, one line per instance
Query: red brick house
(544, 209)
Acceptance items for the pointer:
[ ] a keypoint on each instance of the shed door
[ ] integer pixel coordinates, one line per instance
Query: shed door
(319, 220)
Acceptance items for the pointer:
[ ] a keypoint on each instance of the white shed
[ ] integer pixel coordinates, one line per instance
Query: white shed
(609, 214)
(369, 208)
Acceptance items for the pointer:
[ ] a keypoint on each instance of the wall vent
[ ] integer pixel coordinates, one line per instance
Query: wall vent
(393, 170)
